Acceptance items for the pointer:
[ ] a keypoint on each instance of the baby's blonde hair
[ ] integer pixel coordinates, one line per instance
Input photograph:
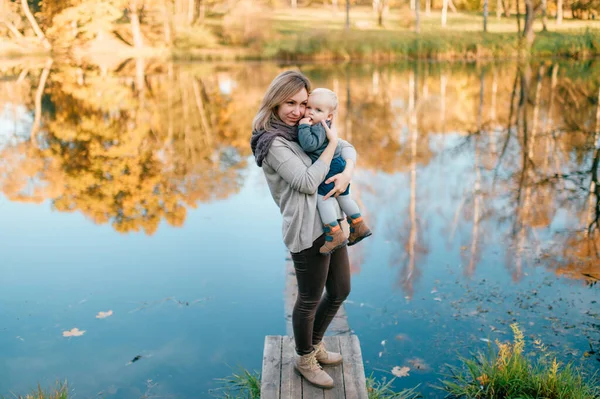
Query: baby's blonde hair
(330, 95)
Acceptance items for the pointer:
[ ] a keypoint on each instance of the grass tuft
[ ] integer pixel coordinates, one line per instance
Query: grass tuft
(244, 384)
(383, 390)
(60, 392)
(507, 373)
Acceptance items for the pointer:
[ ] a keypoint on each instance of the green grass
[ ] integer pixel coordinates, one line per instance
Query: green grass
(244, 384)
(383, 390)
(247, 385)
(317, 33)
(508, 373)
(60, 392)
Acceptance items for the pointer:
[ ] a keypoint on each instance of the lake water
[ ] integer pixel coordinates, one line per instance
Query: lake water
(132, 211)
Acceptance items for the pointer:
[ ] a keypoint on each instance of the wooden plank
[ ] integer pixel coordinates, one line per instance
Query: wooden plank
(339, 325)
(355, 382)
(309, 391)
(336, 372)
(291, 383)
(290, 295)
(271, 369)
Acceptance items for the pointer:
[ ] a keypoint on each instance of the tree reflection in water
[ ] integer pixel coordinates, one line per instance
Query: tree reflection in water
(140, 142)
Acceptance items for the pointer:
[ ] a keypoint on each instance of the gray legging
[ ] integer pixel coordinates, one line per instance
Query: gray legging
(327, 209)
(314, 311)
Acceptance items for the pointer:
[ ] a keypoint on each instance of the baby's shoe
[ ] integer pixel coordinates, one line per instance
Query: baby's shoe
(358, 229)
(334, 238)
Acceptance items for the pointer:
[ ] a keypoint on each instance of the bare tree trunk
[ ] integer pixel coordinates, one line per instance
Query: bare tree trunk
(443, 82)
(452, 6)
(203, 118)
(536, 103)
(170, 84)
(347, 14)
(138, 42)
(559, 12)
(481, 96)
(167, 23)
(498, 9)
(476, 212)
(444, 13)
(491, 136)
(519, 17)
(201, 11)
(348, 121)
(544, 15)
(485, 15)
(140, 77)
(591, 218)
(13, 29)
(417, 17)
(552, 89)
(426, 81)
(334, 3)
(528, 32)
(379, 8)
(494, 95)
(22, 76)
(38, 102)
(191, 12)
(34, 25)
(412, 4)
(413, 235)
(294, 3)
(506, 7)
(428, 7)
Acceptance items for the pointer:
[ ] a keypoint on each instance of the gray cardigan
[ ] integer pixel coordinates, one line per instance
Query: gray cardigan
(293, 180)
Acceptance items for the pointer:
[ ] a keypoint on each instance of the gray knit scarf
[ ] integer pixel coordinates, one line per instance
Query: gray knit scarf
(261, 140)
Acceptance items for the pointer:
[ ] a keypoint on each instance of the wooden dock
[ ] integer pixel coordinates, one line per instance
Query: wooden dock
(280, 381)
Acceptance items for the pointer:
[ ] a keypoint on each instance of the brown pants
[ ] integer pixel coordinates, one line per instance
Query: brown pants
(314, 310)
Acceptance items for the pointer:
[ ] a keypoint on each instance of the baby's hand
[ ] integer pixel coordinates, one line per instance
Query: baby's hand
(305, 121)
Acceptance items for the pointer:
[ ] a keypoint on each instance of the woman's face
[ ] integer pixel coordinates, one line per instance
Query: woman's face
(292, 109)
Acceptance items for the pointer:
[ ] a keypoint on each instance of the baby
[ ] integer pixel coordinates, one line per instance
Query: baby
(322, 105)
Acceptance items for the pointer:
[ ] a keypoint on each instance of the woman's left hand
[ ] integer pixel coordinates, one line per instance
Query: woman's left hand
(341, 181)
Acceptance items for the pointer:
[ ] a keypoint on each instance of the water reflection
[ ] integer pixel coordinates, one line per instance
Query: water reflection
(144, 142)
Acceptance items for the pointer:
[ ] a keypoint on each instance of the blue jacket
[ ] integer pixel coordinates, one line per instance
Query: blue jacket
(313, 140)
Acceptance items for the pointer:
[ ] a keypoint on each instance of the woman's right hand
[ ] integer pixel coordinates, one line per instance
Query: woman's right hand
(332, 134)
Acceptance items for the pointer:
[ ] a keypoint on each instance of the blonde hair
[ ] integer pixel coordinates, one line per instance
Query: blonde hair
(283, 87)
(330, 95)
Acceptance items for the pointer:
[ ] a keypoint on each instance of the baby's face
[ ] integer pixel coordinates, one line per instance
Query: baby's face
(318, 108)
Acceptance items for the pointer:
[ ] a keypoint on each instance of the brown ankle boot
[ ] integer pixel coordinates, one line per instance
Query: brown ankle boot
(326, 358)
(308, 367)
(334, 239)
(358, 230)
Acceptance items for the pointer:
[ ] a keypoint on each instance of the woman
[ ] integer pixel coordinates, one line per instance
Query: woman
(293, 180)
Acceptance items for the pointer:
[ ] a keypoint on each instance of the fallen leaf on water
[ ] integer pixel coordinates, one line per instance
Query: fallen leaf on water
(75, 332)
(401, 337)
(400, 371)
(437, 298)
(484, 339)
(104, 315)
(418, 363)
